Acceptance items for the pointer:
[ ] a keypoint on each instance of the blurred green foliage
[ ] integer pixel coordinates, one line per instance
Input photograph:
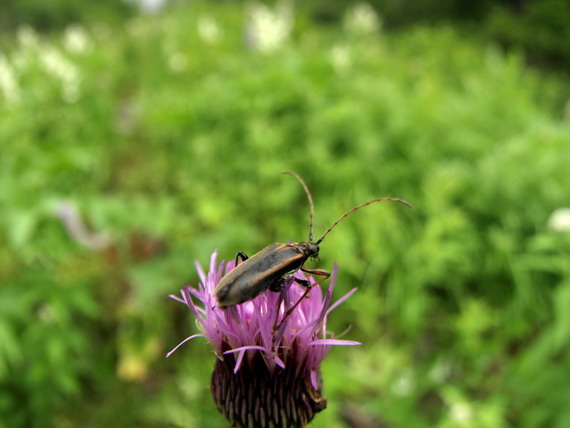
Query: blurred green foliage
(540, 28)
(51, 15)
(168, 136)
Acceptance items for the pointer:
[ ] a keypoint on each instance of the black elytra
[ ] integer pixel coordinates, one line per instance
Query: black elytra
(277, 263)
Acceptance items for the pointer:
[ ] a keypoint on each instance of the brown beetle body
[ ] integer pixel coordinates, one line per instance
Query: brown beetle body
(267, 269)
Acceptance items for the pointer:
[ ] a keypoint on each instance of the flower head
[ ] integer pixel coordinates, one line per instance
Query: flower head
(362, 19)
(267, 30)
(268, 367)
(559, 221)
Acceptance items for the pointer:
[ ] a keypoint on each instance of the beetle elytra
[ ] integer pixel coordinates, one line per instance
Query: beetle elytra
(271, 267)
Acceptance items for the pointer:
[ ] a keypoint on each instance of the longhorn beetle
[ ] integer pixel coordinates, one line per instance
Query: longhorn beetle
(271, 267)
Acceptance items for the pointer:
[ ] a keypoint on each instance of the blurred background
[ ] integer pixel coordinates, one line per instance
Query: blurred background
(137, 137)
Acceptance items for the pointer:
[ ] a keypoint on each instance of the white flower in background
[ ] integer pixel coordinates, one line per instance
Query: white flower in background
(362, 19)
(178, 62)
(461, 413)
(150, 7)
(440, 372)
(35, 52)
(76, 40)
(559, 220)
(21, 60)
(46, 313)
(268, 29)
(27, 37)
(60, 67)
(69, 215)
(9, 86)
(209, 30)
(404, 384)
(340, 58)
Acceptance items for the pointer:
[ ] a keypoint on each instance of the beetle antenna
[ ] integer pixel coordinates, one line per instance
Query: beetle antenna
(356, 208)
(311, 206)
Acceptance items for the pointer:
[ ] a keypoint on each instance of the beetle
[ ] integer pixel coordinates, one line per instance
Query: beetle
(277, 263)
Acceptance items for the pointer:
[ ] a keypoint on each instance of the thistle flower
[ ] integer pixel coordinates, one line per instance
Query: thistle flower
(267, 371)
(268, 29)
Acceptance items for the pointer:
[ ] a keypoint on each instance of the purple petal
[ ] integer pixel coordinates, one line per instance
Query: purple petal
(314, 380)
(278, 361)
(328, 342)
(189, 302)
(213, 258)
(178, 299)
(341, 300)
(245, 348)
(201, 273)
(183, 342)
(242, 350)
(239, 360)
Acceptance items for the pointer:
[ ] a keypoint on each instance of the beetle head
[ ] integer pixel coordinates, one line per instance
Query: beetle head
(310, 249)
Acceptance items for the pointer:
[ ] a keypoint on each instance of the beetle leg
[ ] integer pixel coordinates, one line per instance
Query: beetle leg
(308, 286)
(321, 272)
(276, 285)
(241, 255)
(303, 282)
(290, 311)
